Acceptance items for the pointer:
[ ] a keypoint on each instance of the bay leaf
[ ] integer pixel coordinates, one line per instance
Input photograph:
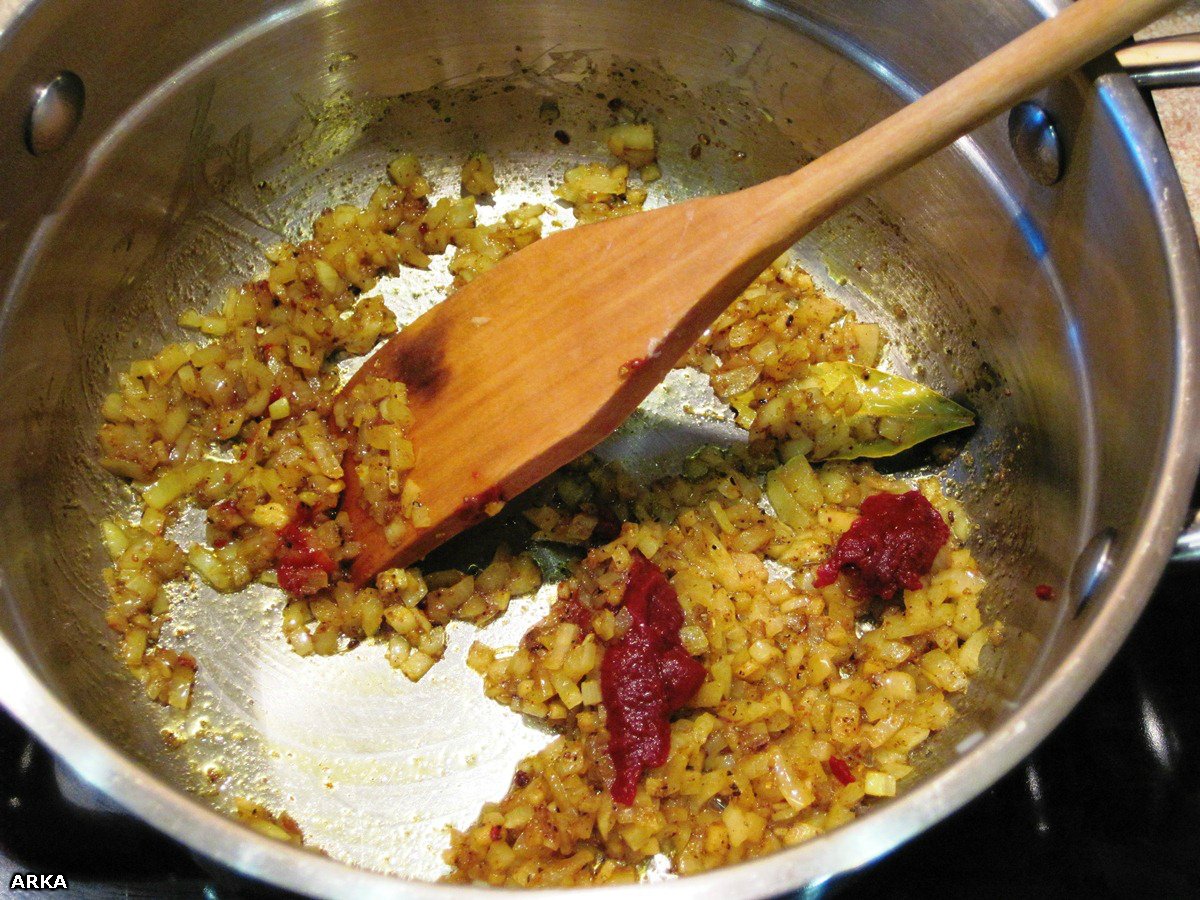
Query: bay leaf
(896, 413)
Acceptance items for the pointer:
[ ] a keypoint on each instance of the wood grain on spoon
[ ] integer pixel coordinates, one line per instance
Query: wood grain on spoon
(532, 364)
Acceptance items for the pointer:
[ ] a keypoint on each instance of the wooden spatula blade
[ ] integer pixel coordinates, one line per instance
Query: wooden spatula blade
(502, 388)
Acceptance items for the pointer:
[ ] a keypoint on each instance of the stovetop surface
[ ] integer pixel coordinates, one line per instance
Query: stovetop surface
(1107, 806)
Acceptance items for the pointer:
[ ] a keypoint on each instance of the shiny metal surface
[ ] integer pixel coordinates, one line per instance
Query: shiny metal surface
(1187, 547)
(1035, 141)
(1092, 567)
(54, 113)
(1163, 64)
(1070, 329)
(1167, 77)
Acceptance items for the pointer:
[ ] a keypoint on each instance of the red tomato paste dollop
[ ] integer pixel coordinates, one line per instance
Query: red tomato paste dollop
(888, 548)
(645, 676)
(297, 563)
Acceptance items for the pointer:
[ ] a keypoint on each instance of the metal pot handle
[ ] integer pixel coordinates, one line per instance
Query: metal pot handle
(1169, 62)
(1187, 545)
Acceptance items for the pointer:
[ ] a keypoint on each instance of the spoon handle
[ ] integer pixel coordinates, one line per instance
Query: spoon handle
(789, 206)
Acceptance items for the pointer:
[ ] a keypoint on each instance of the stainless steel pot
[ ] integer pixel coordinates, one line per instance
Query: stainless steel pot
(188, 135)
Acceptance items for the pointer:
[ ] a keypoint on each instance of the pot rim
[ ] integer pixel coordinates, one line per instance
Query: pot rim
(201, 827)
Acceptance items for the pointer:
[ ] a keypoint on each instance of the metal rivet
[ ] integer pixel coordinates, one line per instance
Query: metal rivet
(54, 114)
(1091, 568)
(1034, 139)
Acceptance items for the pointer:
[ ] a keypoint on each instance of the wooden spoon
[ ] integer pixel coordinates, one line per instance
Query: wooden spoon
(533, 363)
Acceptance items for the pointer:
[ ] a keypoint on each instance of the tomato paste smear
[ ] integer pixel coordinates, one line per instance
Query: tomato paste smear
(297, 562)
(645, 676)
(887, 549)
(633, 366)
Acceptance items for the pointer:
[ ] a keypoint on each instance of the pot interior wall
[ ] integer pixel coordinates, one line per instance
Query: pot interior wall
(190, 177)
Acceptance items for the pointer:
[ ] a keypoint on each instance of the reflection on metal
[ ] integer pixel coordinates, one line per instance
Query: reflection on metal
(1160, 736)
(1033, 782)
(1187, 546)
(1035, 141)
(54, 114)
(1168, 77)
(1092, 566)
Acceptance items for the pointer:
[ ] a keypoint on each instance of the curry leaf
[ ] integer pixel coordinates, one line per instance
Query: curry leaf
(555, 559)
(895, 413)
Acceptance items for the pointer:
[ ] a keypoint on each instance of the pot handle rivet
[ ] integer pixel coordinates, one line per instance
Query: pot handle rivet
(1091, 568)
(1035, 141)
(54, 114)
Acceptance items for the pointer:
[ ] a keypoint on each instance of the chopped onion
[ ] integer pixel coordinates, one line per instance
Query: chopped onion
(797, 793)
